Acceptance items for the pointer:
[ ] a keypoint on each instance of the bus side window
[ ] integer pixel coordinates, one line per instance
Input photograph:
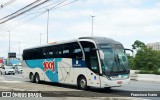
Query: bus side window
(60, 53)
(40, 53)
(50, 52)
(90, 56)
(66, 50)
(55, 51)
(76, 52)
(25, 55)
(31, 54)
(43, 53)
(94, 62)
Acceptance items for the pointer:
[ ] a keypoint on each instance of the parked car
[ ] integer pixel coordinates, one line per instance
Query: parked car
(7, 70)
(18, 69)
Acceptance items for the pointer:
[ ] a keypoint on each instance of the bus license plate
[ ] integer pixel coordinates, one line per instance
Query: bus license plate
(119, 82)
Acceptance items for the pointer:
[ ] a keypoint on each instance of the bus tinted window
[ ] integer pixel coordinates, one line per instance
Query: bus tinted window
(76, 51)
(90, 56)
(87, 49)
(68, 50)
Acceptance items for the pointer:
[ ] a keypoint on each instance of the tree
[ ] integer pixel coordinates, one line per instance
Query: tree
(134, 62)
(145, 58)
(131, 62)
(138, 45)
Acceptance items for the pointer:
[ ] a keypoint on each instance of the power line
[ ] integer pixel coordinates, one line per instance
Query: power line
(51, 8)
(38, 15)
(34, 12)
(41, 13)
(44, 7)
(47, 6)
(20, 10)
(18, 19)
(19, 24)
(6, 4)
(18, 14)
(67, 4)
(27, 11)
(24, 17)
(27, 21)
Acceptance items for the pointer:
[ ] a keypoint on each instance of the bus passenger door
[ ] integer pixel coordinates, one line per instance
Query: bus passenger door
(92, 64)
(94, 67)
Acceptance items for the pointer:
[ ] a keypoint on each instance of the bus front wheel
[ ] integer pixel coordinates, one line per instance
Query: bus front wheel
(82, 83)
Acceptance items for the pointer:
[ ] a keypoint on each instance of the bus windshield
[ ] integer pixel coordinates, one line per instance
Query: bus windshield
(114, 61)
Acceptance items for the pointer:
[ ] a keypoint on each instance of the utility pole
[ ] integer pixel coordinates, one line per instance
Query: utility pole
(9, 41)
(92, 24)
(9, 50)
(47, 24)
(19, 50)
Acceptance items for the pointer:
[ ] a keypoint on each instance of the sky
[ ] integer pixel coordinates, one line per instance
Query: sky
(122, 20)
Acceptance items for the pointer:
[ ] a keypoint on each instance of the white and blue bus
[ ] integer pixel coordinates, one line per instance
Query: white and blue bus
(88, 61)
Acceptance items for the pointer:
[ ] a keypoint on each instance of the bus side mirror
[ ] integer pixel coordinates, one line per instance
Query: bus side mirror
(129, 50)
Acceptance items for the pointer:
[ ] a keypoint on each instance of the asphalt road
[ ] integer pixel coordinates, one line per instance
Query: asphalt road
(133, 86)
(47, 86)
(16, 77)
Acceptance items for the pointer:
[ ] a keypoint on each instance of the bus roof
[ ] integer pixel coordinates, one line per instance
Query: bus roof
(51, 44)
(101, 40)
(98, 40)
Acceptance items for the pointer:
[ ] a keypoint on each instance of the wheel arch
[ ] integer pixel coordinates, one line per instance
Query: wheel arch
(31, 73)
(36, 73)
(79, 76)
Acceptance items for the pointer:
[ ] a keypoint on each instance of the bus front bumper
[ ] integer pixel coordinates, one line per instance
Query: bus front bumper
(114, 83)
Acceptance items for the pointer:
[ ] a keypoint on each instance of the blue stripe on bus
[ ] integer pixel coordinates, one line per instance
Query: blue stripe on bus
(43, 64)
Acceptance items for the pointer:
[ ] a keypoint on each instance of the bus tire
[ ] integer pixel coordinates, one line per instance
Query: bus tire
(107, 88)
(32, 79)
(37, 78)
(82, 83)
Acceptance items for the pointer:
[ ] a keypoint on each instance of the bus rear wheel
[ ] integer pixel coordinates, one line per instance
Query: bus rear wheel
(32, 79)
(82, 83)
(37, 79)
(107, 89)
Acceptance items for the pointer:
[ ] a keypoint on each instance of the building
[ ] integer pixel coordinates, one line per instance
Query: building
(13, 61)
(154, 46)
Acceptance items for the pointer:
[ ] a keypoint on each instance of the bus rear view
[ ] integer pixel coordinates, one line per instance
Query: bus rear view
(86, 62)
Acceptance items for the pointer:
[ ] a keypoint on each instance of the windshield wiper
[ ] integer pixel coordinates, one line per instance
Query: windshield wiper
(120, 63)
